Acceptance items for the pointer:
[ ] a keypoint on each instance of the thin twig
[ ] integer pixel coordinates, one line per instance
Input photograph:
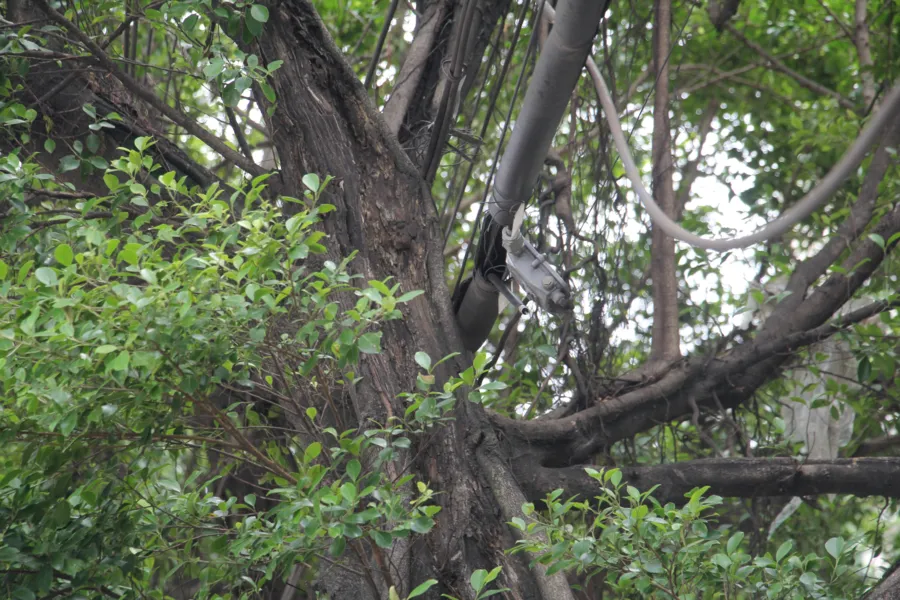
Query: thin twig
(380, 44)
(148, 96)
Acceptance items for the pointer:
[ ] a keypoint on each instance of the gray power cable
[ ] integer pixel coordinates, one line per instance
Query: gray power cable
(816, 198)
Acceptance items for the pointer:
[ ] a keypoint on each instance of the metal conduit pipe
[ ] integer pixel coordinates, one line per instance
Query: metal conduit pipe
(555, 76)
(477, 311)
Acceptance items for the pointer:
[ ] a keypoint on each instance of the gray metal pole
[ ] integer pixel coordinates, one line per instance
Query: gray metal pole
(555, 76)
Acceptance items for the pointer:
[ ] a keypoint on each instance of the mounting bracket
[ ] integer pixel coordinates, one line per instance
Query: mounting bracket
(537, 276)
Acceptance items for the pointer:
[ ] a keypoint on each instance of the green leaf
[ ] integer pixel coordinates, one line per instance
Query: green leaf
(348, 492)
(421, 525)
(353, 469)
(129, 253)
(864, 369)
(214, 68)
(23, 593)
(4, 270)
(312, 452)
(61, 514)
(423, 360)
(382, 538)
(410, 295)
(49, 145)
(120, 362)
(268, 91)
(105, 349)
(615, 477)
(69, 163)
(259, 13)
(477, 580)
(835, 546)
(64, 254)
(111, 181)
(370, 343)
(734, 542)
(337, 546)
(783, 550)
(47, 276)
(422, 588)
(311, 181)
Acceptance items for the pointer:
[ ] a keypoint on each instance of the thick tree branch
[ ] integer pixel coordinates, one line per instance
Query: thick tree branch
(149, 97)
(888, 589)
(414, 66)
(732, 477)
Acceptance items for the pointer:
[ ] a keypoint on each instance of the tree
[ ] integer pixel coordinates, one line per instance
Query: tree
(232, 364)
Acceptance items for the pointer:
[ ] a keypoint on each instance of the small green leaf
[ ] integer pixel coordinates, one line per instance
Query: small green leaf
(120, 362)
(68, 163)
(423, 360)
(353, 469)
(410, 295)
(129, 253)
(23, 593)
(348, 491)
(259, 13)
(835, 546)
(422, 588)
(477, 580)
(370, 343)
(4, 270)
(49, 145)
(111, 181)
(864, 370)
(783, 550)
(105, 349)
(61, 514)
(734, 542)
(337, 546)
(312, 452)
(382, 538)
(268, 91)
(64, 254)
(47, 276)
(311, 180)
(421, 525)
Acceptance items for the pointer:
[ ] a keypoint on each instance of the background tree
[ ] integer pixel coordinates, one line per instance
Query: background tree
(230, 235)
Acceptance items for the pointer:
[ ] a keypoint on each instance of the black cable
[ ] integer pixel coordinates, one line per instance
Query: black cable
(380, 44)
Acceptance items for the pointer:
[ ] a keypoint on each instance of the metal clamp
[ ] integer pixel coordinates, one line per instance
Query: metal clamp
(538, 277)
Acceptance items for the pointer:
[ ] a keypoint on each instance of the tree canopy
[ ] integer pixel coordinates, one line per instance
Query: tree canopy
(233, 236)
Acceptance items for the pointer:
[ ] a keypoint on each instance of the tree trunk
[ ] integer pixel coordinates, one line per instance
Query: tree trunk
(385, 212)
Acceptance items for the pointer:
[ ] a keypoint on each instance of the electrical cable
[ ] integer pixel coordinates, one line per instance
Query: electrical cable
(815, 199)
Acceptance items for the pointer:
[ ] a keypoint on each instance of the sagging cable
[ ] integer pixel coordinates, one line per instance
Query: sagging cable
(815, 199)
